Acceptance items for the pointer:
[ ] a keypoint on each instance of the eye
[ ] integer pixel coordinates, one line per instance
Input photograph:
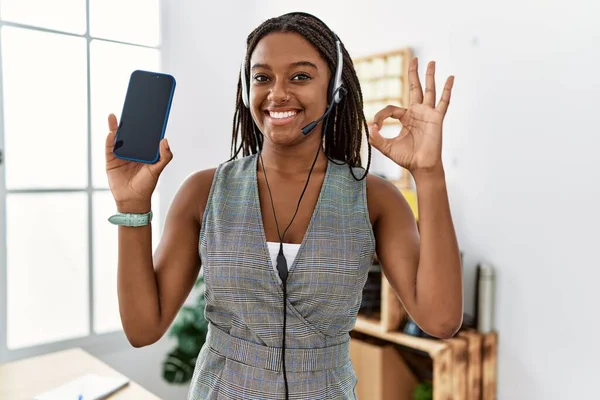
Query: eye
(260, 78)
(301, 77)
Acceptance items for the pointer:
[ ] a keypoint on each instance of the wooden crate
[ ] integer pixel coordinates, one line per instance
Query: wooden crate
(464, 367)
(489, 361)
(474, 345)
(482, 364)
(449, 359)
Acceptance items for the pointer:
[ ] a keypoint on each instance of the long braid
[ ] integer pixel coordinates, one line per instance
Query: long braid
(342, 130)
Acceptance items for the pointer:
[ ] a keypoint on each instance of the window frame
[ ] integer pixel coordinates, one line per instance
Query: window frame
(94, 342)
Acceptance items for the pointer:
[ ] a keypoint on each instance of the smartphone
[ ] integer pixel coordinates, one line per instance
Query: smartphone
(144, 117)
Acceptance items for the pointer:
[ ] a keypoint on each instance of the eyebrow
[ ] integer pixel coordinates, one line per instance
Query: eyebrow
(296, 64)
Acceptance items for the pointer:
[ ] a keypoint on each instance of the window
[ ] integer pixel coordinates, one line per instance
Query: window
(64, 67)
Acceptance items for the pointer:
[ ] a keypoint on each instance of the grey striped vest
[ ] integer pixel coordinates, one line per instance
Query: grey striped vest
(241, 358)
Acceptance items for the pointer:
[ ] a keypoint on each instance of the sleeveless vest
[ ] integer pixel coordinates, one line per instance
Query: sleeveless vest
(241, 358)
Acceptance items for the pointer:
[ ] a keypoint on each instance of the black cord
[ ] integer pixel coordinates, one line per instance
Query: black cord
(332, 113)
(282, 267)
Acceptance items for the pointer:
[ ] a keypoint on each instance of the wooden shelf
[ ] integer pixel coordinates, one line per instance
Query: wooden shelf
(464, 367)
(373, 328)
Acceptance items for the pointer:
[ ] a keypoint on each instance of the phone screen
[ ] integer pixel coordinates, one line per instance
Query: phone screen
(144, 117)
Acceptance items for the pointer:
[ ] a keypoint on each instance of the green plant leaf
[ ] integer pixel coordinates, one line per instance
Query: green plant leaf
(423, 391)
(178, 367)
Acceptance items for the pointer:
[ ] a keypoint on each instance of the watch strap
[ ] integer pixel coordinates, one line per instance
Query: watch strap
(131, 219)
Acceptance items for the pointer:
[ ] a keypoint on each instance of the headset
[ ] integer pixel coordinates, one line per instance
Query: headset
(336, 90)
(335, 94)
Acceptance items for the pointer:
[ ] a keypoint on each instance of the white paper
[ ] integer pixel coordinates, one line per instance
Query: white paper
(89, 387)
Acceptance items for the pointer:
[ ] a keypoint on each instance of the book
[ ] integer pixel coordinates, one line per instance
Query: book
(86, 387)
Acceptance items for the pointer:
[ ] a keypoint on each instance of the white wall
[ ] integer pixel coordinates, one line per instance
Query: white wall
(203, 48)
(520, 148)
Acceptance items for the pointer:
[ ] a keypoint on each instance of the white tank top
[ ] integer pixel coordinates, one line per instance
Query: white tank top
(289, 251)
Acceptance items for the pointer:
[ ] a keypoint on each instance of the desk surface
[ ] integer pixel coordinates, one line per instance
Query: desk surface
(24, 379)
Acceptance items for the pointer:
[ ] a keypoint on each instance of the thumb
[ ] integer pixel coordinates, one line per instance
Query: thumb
(379, 142)
(165, 156)
(110, 138)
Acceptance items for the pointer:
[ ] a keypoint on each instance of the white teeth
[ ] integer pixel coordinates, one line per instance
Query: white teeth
(280, 115)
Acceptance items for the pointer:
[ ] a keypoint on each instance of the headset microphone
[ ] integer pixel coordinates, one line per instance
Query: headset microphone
(308, 128)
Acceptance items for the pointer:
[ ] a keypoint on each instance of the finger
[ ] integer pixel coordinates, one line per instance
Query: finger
(416, 91)
(389, 112)
(444, 102)
(165, 156)
(382, 144)
(429, 99)
(110, 138)
(112, 123)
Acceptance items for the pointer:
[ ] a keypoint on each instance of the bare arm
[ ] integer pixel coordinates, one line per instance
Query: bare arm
(424, 271)
(152, 289)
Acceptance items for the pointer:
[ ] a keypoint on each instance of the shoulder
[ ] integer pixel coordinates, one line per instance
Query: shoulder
(192, 196)
(198, 183)
(196, 188)
(376, 183)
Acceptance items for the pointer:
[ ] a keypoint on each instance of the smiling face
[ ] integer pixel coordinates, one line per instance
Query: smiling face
(288, 87)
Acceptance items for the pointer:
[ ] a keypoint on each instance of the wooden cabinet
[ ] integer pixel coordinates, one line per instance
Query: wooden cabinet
(462, 368)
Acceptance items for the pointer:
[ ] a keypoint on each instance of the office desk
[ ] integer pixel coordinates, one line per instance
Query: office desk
(24, 379)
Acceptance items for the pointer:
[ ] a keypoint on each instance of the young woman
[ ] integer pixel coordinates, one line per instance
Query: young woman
(286, 233)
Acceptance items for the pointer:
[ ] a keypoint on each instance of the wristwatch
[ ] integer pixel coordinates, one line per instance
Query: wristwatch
(131, 219)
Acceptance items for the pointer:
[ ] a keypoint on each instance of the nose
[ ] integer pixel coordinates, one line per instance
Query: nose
(279, 92)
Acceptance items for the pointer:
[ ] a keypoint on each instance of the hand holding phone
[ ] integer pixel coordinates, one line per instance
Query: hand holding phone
(132, 183)
(136, 150)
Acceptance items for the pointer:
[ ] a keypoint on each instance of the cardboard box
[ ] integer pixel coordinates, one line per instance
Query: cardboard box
(381, 370)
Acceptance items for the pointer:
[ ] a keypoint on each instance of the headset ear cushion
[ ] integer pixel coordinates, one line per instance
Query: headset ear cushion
(330, 90)
(244, 84)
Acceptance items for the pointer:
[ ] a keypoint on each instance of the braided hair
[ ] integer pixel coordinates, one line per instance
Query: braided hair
(342, 130)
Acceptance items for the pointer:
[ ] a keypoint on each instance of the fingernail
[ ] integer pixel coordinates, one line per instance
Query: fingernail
(167, 144)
